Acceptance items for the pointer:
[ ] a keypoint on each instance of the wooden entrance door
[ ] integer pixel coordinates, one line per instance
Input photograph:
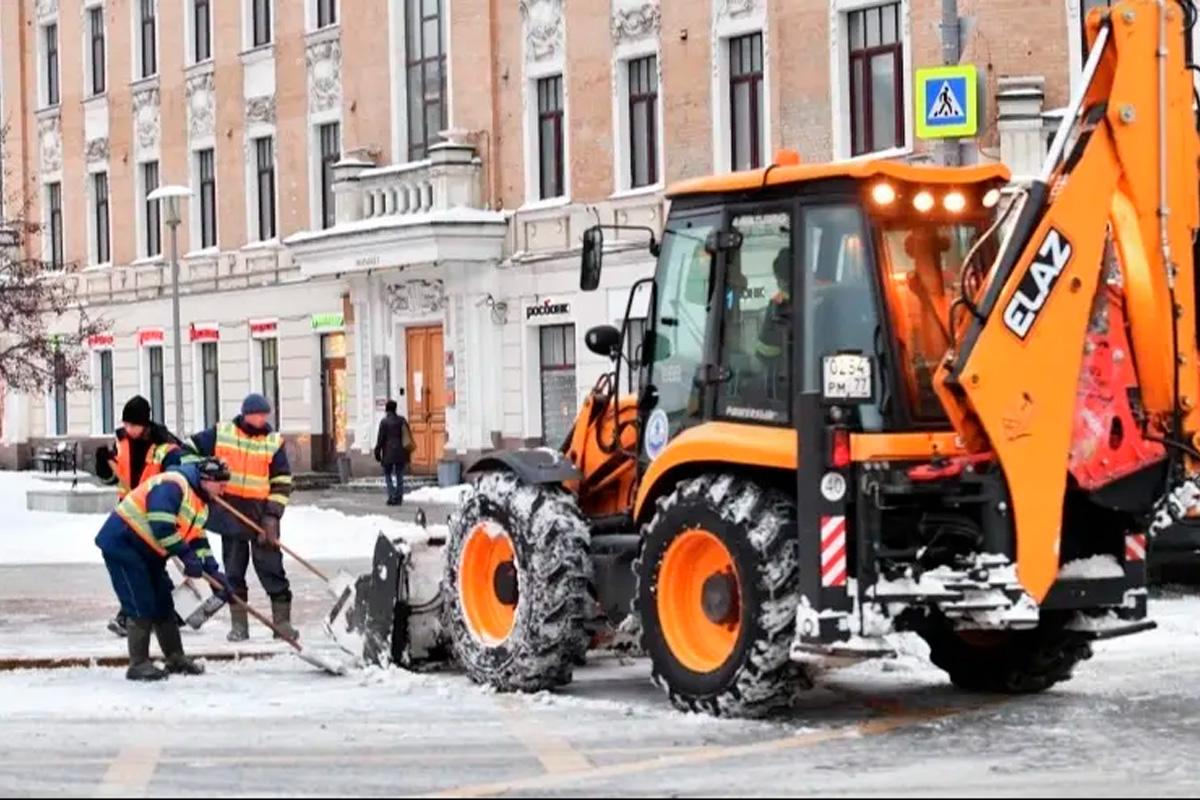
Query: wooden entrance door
(333, 439)
(426, 395)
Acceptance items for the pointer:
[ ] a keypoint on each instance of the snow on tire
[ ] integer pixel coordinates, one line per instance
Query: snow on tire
(1015, 662)
(755, 528)
(530, 633)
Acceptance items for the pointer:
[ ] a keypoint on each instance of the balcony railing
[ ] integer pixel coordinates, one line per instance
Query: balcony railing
(450, 178)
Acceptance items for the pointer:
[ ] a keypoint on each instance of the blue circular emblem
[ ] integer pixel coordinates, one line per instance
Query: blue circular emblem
(657, 433)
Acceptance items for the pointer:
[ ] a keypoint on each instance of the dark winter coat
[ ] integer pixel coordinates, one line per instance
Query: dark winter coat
(389, 444)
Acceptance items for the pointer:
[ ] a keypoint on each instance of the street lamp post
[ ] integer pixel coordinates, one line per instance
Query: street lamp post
(168, 198)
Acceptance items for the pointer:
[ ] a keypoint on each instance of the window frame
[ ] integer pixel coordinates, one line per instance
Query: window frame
(147, 39)
(97, 52)
(196, 17)
(418, 146)
(555, 116)
(54, 222)
(568, 331)
(261, 24)
(650, 100)
(101, 217)
(859, 62)
(755, 79)
(212, 415)
(270, 369)
(158, 407)
(53, 82)
(326, 159)
(206, 205)
(60, 397)
(264, 186)
(105, 396)
(151, 212)
(326, 14)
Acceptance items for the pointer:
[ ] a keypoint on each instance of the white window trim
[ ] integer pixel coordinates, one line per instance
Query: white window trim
(198, 383)
(52, 416)
(135, 11)
(725, 29)
(248, 26)
(314, 166)
(257, 131)
(97, 392)
(256, 370)
(47, 238)
(88, 5)
(839, 71)
(533, 161)
(311, 9)
(189, 31)
(622, 153)
(43, 73)
(90, 190)
(196, 202)
(141, 221)
(398, 72)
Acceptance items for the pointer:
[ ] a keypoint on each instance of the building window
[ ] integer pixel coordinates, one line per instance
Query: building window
(208, 198)
(201, 30)
(643, 121)
(550, 137)
(558, 382)
(60, 395)
(426, 59)
(107, 424)
(746, 101)
(260, 12)
(158, 409)
(96, 28)
(635, 338)
(264, 150)
(326, 13)
(331, 147)
(876, 79)
(54, 206)
(210, 381)
(153, 220)
(100, 198)
(149, 38)
(269, 358)
(50, 33)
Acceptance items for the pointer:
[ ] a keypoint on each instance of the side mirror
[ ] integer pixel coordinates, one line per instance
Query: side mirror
(604, 340)
(592, 261)
(655, 348)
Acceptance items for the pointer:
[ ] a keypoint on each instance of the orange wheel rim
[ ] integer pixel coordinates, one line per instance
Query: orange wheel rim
(488, 550)
(700, 637)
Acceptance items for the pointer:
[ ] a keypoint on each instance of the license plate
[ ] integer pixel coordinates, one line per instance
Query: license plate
(847, 377)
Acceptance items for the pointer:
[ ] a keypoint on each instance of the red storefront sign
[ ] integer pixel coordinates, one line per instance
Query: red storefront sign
(263, 328)
(148, 336)
(102, 341)
(205, 332)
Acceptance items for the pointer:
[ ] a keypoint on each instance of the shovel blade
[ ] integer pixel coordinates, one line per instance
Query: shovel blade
(362, 618)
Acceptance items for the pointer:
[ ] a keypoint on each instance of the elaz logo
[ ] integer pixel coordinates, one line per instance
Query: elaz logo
(547, 309)
(1052, 259)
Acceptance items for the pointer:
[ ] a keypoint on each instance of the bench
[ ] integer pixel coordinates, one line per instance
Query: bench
(60, 458)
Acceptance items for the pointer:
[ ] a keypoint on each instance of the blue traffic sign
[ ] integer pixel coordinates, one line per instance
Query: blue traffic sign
(947, 102)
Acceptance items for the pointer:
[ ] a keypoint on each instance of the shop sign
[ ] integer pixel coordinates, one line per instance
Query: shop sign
(547, 308)
(148, 336)
(334, 321)
(205, 332)
(102, 341)
(264, 328)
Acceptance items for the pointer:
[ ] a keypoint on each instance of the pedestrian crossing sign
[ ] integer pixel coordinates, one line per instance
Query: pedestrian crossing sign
(947, 102)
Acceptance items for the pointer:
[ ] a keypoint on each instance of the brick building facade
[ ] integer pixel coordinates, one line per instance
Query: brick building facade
(388, 195)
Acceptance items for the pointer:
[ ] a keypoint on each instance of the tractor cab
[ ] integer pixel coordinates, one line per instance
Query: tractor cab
(835, 281)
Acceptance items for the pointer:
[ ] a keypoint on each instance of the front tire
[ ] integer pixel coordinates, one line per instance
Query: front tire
(516, 583)
(717, 594)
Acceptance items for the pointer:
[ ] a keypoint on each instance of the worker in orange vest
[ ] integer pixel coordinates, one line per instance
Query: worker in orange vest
(142, 450)
(162, 518)
(259, 488)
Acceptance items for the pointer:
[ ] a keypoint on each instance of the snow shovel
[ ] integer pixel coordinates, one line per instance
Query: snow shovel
(338, 586)
(312, 658)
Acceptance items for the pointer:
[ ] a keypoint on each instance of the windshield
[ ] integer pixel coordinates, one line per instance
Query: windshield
(922, 264)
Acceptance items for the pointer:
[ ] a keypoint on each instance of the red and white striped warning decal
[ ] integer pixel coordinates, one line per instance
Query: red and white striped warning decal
(833, 551)
(1135, 547)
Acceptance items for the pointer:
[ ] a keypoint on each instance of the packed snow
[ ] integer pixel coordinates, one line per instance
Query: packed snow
(37, 537)
(439, 495)
(1094, 568)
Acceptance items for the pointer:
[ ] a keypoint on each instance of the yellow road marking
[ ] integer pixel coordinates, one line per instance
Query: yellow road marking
(131, 771)
(701, 756)
(556, 754)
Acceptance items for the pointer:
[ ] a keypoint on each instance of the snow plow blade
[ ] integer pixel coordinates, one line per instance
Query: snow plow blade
(374, 618)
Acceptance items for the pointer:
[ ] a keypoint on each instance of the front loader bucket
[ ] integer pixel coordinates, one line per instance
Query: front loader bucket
(362, 620)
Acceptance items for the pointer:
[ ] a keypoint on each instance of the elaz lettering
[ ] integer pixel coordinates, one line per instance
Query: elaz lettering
(1034, 290)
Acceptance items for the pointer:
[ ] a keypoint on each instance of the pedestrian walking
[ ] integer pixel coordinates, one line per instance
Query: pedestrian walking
(259, 487)
(160, 519)
(143, 449)
(394, 445)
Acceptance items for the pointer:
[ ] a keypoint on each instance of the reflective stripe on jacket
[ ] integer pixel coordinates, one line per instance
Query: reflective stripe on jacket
(167, 525)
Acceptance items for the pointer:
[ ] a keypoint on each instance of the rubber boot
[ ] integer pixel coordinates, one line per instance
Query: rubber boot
(281, 615)
(172, 647)
(239, 630)
(141, 668)
(117, 625)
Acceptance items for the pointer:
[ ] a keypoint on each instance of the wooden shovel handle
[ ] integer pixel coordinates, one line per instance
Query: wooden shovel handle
(216, 584)
(254, 526)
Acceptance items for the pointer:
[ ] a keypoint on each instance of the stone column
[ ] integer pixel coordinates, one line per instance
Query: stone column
(1023, 145)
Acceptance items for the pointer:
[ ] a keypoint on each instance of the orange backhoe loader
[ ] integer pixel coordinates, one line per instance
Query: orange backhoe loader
(874, 397)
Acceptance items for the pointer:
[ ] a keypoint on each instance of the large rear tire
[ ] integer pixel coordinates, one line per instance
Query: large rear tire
(717, 595)
(1006, 662)
(516, 584)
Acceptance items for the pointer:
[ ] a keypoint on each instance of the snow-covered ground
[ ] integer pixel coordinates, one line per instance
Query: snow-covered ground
(35, 537)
